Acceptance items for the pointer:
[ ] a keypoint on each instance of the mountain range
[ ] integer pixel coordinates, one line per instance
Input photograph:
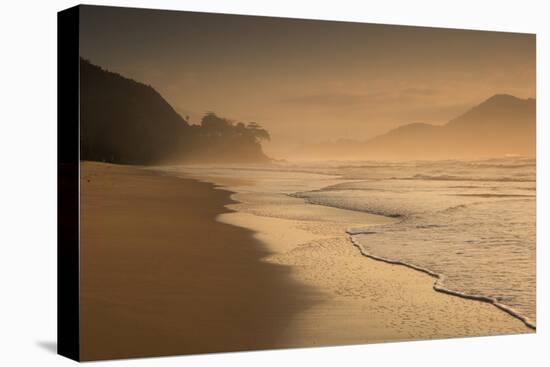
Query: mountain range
(499, 126)
(125, 121)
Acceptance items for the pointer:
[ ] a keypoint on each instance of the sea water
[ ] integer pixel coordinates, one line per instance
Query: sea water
(470, 223)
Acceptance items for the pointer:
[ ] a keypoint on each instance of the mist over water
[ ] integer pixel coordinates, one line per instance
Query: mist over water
(471, 222)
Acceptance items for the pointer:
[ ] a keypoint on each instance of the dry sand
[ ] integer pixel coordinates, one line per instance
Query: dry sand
(160, 275)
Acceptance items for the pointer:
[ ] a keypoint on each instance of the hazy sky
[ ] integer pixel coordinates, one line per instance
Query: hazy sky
(308, 81)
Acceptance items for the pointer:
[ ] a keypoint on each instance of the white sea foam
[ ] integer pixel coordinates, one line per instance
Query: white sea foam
(474, 230)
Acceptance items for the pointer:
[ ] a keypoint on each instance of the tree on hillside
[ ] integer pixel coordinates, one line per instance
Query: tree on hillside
(213, 125)
(257, 131)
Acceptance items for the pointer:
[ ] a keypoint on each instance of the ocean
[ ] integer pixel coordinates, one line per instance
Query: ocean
(470, 224)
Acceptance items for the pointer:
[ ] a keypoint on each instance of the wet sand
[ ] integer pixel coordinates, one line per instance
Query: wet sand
(167, 268)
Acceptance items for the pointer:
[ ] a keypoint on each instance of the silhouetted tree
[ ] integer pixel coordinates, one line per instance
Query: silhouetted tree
(259, 132)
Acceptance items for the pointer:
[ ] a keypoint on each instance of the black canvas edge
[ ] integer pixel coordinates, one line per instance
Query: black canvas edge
(68, 201)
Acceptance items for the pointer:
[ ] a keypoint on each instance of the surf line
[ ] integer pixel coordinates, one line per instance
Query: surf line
(438, 288)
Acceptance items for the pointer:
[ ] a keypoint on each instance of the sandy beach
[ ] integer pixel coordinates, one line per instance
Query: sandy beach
(160, 276)
(171, 265)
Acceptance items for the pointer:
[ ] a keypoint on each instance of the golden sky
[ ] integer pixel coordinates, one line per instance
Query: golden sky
(308, 81)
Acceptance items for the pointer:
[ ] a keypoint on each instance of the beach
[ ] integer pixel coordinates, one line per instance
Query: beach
(201, 262)
(160, 276)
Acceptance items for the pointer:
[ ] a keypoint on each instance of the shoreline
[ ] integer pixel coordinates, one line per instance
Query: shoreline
(508, 323)
(190, 265)
(444, 290)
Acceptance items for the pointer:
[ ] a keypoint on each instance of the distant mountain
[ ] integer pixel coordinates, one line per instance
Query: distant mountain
(124, 121)
(501, 125)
